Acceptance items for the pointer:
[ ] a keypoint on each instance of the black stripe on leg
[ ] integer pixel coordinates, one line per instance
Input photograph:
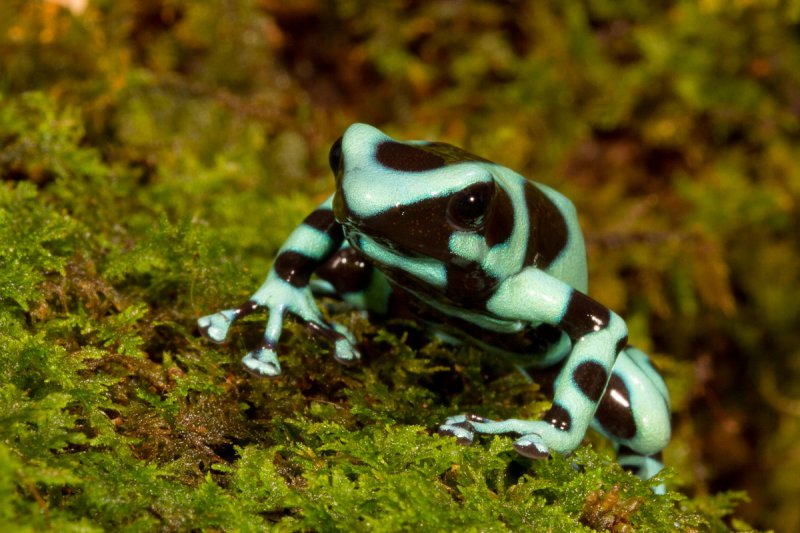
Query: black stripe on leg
(246, 308)
(591, 378)
(558, 417)
(294, 268)
(614, 411)
(323, 220)
(583, 316)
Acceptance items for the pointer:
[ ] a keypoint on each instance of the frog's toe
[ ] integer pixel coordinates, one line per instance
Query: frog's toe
(463, 433)
(215, 327)
(262, 362)
(532, 446)
(459, 427)
(345, 353)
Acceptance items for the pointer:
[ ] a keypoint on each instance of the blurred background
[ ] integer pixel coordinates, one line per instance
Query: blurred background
(674, 126)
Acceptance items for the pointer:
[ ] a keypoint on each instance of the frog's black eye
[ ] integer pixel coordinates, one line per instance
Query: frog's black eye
(467, 208)
(335, 156)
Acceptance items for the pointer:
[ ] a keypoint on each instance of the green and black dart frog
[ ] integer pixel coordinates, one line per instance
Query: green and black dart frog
(480, 255)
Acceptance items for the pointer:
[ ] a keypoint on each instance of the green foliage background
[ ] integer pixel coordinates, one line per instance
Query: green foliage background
(154, 154)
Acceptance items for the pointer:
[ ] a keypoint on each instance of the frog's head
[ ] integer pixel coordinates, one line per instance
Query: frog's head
(430, 211)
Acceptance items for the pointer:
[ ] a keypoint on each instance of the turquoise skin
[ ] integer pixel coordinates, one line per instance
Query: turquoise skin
(480, 255)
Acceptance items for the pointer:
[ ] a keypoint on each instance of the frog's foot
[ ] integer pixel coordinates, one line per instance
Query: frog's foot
(345, 351)
(279, 299)
(532, 446)
(262, 362)
(538, 438)
(459, 427)
(215, 327)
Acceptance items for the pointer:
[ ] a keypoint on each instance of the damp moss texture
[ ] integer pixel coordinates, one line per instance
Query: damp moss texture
(154, 154)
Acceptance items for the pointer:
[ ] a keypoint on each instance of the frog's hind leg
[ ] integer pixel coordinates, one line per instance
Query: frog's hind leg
(634, 413)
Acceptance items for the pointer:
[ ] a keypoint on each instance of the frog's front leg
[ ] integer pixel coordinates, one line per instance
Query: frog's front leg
(286, 290)
(597, 334)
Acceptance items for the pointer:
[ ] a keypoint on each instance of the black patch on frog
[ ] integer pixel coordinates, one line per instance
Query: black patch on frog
(407, 158)
(500, 221)
(614, 412)
(322, 219)
(466, 288)
(423, 229)
(347, 270)
(452, 154)
(621, 344)
(548, 230)
(335, 156)
(420, 228)
(590, 377)
(247, 308)
(583, 316)
(294, 268)
(558, 417)
(469, 286)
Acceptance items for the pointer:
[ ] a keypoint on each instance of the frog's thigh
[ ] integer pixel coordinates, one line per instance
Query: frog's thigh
(634, 410)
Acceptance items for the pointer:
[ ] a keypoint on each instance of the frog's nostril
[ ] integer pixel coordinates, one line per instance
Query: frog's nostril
(335, 156)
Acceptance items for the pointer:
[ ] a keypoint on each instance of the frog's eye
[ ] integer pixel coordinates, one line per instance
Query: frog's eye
(467, 208)
(335, 156)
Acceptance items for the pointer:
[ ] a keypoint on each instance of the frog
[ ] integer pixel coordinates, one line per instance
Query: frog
(480, 255)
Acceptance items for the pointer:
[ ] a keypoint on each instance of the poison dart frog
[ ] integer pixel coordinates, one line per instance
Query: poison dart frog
(479, 253)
